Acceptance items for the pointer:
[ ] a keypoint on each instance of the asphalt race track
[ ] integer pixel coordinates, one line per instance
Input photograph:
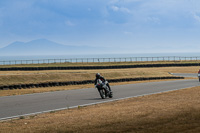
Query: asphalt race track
(22, 105)
(185, 74)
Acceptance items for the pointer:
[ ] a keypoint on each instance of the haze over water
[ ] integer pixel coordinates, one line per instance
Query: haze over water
(38, 57)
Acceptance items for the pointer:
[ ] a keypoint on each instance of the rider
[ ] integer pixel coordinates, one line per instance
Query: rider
(98, 76)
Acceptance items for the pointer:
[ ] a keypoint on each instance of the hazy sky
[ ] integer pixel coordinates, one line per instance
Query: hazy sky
(138, 25)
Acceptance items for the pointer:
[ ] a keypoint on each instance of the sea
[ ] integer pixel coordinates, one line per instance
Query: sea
(4, 60)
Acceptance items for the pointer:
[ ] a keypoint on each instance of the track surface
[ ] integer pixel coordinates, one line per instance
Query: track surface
(185, 74)
(14, 106)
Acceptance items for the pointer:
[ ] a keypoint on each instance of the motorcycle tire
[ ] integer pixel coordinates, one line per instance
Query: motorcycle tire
(111, 95)
(102, 93)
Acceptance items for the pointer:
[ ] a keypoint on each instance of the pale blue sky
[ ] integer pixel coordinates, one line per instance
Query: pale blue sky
(136, 26)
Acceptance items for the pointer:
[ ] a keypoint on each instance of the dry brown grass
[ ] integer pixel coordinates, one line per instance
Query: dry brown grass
(22, 77)
(175, 111)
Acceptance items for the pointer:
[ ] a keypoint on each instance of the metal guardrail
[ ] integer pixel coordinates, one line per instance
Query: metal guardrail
(100, 60)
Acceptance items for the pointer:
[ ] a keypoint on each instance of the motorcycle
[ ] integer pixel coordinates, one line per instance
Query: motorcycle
(103, 89)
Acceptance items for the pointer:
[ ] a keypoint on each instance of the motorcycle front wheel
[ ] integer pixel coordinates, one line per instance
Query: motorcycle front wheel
(102, 93)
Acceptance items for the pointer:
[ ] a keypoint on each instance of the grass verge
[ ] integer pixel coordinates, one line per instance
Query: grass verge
(26, 77)
(166, 112)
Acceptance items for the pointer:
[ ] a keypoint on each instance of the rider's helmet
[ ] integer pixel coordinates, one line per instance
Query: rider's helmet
(98, 75)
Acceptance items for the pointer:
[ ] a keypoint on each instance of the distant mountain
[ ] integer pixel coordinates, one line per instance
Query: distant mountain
(46, 47)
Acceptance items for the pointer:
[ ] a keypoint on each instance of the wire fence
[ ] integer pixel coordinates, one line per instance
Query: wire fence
(100, 60)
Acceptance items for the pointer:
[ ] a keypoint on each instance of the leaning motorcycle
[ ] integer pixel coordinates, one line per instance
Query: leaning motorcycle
(103, 89)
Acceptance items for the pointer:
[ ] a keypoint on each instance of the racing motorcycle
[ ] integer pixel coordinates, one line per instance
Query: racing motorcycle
(103, 89)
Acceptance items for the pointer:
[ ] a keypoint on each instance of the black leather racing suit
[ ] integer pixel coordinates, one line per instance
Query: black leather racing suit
(103, 80)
